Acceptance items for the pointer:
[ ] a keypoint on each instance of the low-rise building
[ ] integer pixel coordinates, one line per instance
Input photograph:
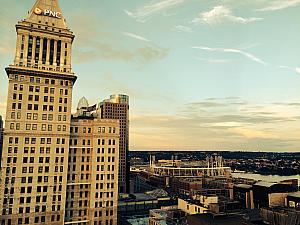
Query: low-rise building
(244, 194)
(210, 219)
(266, 194)
(167, 216)
(280, 216)
(136, 221)
(293, 200)
(200, 206)
(217, 205)
(185, 185)
(136, 206)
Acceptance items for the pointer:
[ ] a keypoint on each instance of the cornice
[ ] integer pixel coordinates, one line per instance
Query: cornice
(41, 73)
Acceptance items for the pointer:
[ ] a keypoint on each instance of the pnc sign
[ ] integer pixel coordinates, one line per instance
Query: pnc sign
(47, 12)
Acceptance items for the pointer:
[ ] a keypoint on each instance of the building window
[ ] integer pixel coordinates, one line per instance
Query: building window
(28, 126)
(35, 116)
(34, 126)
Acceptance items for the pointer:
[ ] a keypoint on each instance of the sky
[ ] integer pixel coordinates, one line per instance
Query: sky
(201, 74)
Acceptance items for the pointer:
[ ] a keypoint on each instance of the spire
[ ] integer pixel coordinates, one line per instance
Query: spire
(47, 12)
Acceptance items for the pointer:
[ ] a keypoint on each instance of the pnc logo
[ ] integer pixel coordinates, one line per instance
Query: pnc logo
(47, 12)
(38, 11)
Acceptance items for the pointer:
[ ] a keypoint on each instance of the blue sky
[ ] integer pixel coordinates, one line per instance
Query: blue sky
(201, 74)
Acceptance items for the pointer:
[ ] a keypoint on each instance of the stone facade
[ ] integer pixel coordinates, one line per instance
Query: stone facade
(36, 149)
(1, 137)
(92, 189)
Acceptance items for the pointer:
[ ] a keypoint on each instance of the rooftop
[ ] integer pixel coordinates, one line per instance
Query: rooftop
(138, 221)
(294, 194)
(264, 184)
(244, 186)
(209, 219)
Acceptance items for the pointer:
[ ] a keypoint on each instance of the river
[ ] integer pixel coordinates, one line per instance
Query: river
(269, 178)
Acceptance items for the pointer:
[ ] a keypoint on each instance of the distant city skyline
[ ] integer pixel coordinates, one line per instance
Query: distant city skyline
(200, 74)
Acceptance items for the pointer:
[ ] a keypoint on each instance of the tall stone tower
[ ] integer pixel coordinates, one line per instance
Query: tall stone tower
(37, 129)
(1, 137)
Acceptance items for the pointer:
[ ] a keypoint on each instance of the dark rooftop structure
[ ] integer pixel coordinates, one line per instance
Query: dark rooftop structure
(138, 204)
(261, 191)
(244, 194)
(209, 219)
(293, 200)
(280, 216)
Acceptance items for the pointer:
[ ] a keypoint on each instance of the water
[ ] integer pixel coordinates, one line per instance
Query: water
(268, 178)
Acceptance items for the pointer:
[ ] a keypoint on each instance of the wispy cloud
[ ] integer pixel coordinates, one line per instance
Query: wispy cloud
(145, 12)
(168, 14)
(279, 4)
(241, 52)
(97, 41)
(216, 61)
(227, 123)
(181, 28)
(294, 69)
(231, 50)
(135, 36)
(221, 14)
(252, 133)
(249, 46)
(104, 51)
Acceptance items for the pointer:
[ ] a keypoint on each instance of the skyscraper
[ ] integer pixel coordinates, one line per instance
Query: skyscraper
(38, 115)
(1, 137)
(92, 190)
(117, 107)
(56, 168)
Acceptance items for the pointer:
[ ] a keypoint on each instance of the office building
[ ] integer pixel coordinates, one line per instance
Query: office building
(38, 116)
(1, 137)
(117, 107)
(92, 184)
(44, 178)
